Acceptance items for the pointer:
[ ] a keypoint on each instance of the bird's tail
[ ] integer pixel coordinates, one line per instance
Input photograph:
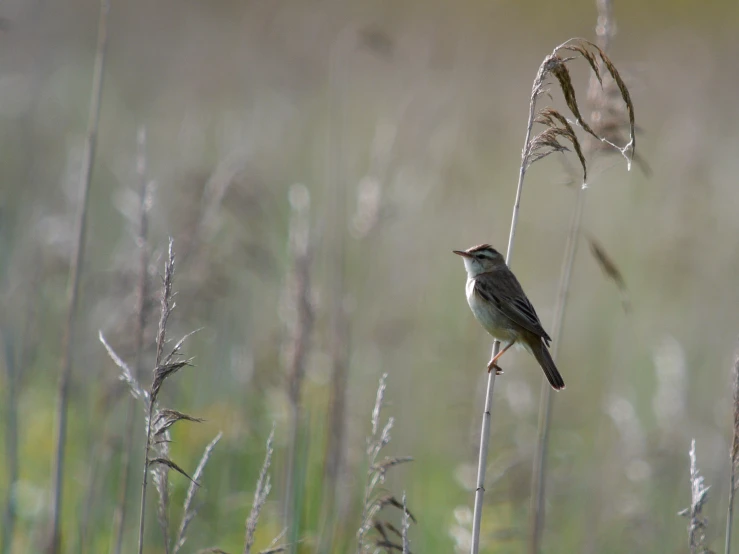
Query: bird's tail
(541, 352)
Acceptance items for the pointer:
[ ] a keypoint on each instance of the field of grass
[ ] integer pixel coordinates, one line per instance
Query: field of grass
(282, 183)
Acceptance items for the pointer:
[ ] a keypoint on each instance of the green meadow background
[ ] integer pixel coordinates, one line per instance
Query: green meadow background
(403, 121)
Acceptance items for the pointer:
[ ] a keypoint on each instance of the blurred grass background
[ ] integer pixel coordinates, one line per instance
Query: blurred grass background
(417, 111)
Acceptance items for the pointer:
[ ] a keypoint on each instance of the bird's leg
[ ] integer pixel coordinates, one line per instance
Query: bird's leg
(492, 363)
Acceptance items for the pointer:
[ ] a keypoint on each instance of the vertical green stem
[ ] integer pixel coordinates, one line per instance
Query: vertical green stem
(545, 406)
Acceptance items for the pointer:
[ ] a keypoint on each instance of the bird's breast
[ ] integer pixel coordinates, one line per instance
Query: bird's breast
(488, 315)
(478, 307)
(470, 290)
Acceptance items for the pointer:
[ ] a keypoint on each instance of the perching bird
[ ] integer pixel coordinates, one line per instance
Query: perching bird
(498, 302)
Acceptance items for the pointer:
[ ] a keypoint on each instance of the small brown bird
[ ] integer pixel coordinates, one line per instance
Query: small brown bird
(498, 302)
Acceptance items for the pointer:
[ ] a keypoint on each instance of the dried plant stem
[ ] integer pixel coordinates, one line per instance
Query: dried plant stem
(545, 405)
(486, 414)
(698, 498)
(374, 499)
(375, 443)
(119, 517)
(604, 32)
(734, 456)
(291, 522)
(189, 510)
(145, 478)
(557, 135)
(260, 495)
(482, 461)
(74, 278)
(730, 510)
(166, 309)
(405, 526)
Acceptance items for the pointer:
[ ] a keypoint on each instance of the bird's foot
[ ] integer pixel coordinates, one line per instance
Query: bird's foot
(498, 370)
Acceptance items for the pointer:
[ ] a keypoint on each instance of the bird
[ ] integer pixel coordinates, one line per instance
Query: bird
(499, 304)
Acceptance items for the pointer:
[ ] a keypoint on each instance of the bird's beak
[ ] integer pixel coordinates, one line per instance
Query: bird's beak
(462, 253)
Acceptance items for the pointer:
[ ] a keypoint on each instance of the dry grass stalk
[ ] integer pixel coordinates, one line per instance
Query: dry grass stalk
(160, 475)
(74, 278)
(299, 325)
(734, 455)
(376, 472)
(557, 133)
(605, 133)
(273, 547)
(558, 130)
(159, 421)
(189, 511)
(698, 497)
(406, 523)
(260, 496)
(126, 374)
(545, 405)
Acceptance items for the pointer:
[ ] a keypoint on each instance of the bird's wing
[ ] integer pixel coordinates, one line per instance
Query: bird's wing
(509, 298)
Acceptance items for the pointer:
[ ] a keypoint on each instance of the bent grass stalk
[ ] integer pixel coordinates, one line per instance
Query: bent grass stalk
(166, 310)
(486, 415)
(606, 124)
(159, 422)
(556, 128)
(545, 408)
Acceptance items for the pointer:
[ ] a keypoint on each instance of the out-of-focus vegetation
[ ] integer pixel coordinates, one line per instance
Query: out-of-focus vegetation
(402, 124)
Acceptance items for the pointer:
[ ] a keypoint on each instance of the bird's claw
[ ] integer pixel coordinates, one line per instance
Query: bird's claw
(498, 369)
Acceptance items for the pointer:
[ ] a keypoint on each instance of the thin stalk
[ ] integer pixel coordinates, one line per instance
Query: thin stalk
(734, 457)
(119, 517)
(151, 398)
(698, 497)
(486, 415)
(546, 399)
(145, 480)
(604, 31)
(730, 511)
(74, 278)
(290, 481)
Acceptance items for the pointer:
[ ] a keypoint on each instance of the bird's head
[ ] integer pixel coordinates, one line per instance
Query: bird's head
(480, 259)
